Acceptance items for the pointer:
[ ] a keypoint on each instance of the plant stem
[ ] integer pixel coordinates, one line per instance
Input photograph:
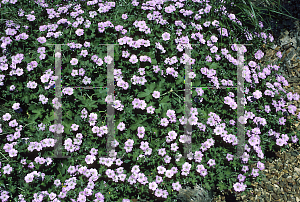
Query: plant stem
(168, 92)
(5, 157)
(4, 99)
(20, 188)
(177, 95)
(27, 124)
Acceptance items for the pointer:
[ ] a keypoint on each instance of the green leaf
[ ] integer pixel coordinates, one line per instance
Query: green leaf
(221, 176)
(101, 92)
(165, 99)
(151, 87)
(37, 114)
(67, 125)
(202, 113)
(227, 173)
(180, 110)
(148, 97)
(135, 125)
(165, 107)
(48, 119)
(88, 103)
(68, 115)
(207, 186)
(25, 99)
(197, 82)
(143, 94)
(179, 79)
(158, 111)
(210, 110)
(213, 65)
(153, 61)
(160, 86)
(180, 162)
(221, 186)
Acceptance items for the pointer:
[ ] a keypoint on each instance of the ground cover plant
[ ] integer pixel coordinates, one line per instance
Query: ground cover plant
(149, 73)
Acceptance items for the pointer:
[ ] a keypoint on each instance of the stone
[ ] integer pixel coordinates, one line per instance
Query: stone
(276, 188)
(289, 179)
(259, 193)
(270, 188)
(287, 39)
(243, 197)
(285, 198)
(297, 170)
(198, 194)
(274, 196)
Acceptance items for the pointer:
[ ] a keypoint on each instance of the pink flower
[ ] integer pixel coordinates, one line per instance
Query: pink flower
(193, 120)
(74, 72)
(169, 174)
(252, 64)
(124, 16)
(279, 54)
(141, 135)
(30, 17)
(259, 54)
(279, 142)
(282, 121)
(238, 187)
(214, 38)
(121, 126)
(90, 159)
(158, 192)
(135, 169)
(257, 94)
(16, 106)
(166, 36)
(260, 165)
(108, 59)
(231, 16)
(156, 94)
(79, 32)
(255, 172)
(153, 186)
(211, 162)
(162, 152)
(164, 122)
(208, 58)
(203, 172)
(68, 91)
(13, 153)
(214, 49)
(41, 39)
(161, 170)
(74, 127)
(29, 178)
(58, 55)
(74, 61)
(294, 138)
(133, 59)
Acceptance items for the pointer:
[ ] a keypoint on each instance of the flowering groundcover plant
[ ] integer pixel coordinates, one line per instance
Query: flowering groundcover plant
(149, 74)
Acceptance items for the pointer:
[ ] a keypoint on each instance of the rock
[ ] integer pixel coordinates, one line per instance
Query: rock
(297, 170)
(270, 188)
(276, 188)
(295, 176)
(198, 194)
(274, 196)
(289, 37)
